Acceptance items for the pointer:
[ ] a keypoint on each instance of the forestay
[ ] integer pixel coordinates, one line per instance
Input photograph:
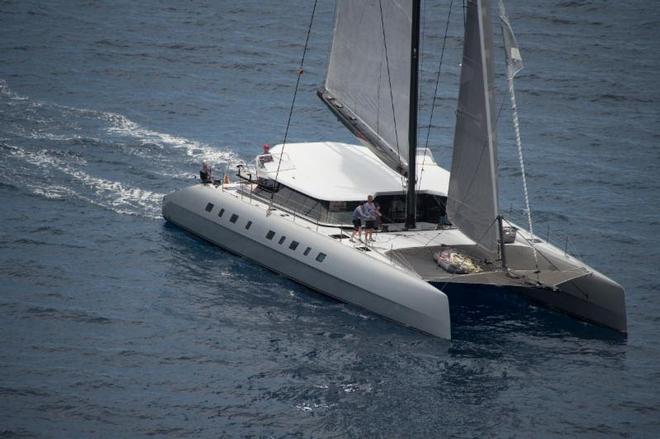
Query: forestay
(368, 78)
(472, 198)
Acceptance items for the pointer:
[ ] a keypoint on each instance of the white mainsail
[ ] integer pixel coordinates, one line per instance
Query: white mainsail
(472, 203)
(368, 78)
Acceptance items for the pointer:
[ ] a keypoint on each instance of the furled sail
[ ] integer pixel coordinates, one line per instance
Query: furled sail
(472, 198)
(514, 60)
(368, 80)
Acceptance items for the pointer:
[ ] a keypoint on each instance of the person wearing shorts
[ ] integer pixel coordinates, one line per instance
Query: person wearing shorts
(358, 215)
(371, 214)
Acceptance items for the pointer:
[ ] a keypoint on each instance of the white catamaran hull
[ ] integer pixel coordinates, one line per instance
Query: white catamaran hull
(343, 273)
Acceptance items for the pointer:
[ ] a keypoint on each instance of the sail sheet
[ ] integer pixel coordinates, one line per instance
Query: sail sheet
(472, 198)
(368, 79)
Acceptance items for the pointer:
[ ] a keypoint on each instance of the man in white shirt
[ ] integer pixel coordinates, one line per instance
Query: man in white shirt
(371, 216)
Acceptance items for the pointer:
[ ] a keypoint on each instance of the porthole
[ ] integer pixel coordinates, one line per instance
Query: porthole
(293, 245)
(222, 211)
(282, 239)
(270, 234)
(209, 207)
(307, 250)
(233, 218)
(248, 225)
(320, 257)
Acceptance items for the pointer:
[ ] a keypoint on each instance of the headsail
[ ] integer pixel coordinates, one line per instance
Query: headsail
(472, 203)
(368, 80)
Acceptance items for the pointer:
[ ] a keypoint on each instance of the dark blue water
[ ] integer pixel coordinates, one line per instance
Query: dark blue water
(115, 324)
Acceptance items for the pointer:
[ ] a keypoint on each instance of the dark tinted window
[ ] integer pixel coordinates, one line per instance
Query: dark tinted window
(248, 225)
(233, 218)
(282, 239)
(221, 212)
(293, 245)
(270, 234)
(307, 250)
(209, 207)
(320, 257)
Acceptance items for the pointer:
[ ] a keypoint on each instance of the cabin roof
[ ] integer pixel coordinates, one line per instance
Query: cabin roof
(335, 171)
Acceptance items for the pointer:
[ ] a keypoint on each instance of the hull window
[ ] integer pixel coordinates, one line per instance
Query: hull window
(293, 245)
(209, 207)
(248, 225)
(270, 234)
(233, 218)
(307, 250)
(321, 257)
(282, 239)
(222, 211)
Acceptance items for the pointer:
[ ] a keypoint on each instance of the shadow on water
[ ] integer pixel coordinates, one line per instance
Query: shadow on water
(504, 310)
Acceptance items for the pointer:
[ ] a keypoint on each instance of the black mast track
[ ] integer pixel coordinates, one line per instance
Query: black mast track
(412, 125)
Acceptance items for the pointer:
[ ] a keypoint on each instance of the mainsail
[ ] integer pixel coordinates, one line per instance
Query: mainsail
(472, 198)
(368, 79)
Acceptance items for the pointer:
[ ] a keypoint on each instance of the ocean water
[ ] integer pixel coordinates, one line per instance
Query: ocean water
(116, 324)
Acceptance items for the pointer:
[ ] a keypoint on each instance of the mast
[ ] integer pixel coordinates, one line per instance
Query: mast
(412, 116)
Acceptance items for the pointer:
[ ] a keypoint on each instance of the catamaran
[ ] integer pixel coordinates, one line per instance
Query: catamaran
(291, 210)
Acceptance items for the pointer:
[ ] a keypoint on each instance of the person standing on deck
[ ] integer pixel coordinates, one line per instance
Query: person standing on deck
(206, 174)
(371, 215)
(358, 216)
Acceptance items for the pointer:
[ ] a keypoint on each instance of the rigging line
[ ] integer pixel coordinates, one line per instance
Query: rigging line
(293, 101)
(389, 79)
(435, 93)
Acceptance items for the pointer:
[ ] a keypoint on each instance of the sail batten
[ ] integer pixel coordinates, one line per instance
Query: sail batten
(368, 78)
(472, 203)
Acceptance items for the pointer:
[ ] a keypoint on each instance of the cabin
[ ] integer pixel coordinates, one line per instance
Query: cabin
(327, 195)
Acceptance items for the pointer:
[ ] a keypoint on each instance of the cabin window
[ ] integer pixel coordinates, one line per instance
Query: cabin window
(248, 225)
(209, 207)
(293, 245)
(307, 250)
(233, 218)
(270, 234)
(320, 257)
(282, 239)
(222, 211)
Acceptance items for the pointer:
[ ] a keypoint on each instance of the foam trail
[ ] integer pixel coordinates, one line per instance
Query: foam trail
(121, 125)
(6, 91)
(110, 194)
